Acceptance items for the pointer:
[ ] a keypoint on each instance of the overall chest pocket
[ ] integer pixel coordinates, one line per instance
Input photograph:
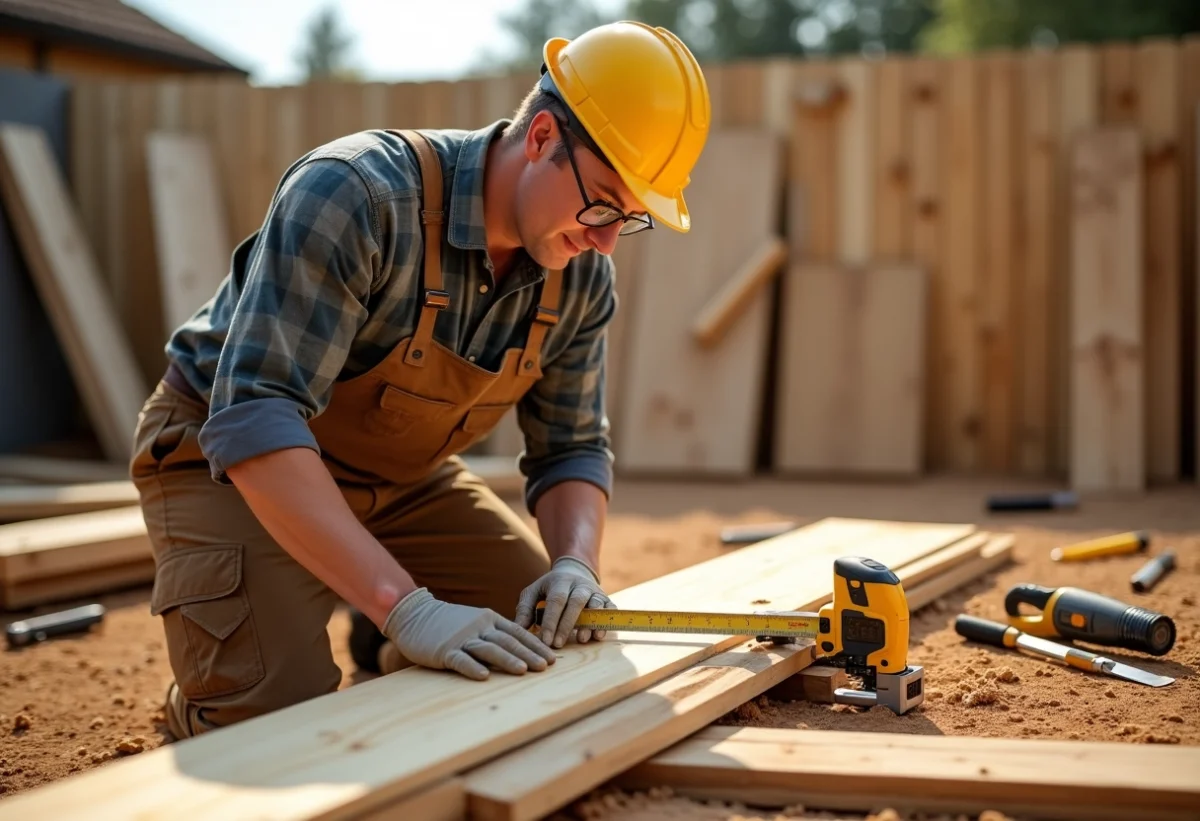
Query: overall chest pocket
(400, 412)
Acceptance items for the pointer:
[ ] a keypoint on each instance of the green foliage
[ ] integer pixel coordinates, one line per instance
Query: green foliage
(972, 25)
(323, 55)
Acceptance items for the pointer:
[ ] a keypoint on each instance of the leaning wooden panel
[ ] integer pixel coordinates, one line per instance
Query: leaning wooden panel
(1107, 355)
(69, 284)
(851, 370)
(351, 750)
(686, 409)
(1041, 778)
(556, 769)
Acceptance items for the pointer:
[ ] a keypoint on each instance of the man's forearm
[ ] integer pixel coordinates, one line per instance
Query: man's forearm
(297, 501)
(571, 517)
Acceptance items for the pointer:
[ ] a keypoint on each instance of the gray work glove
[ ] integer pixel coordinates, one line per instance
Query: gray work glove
(440, 635)
(567, 589)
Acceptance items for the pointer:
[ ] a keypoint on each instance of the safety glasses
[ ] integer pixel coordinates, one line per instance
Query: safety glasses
(599, 213)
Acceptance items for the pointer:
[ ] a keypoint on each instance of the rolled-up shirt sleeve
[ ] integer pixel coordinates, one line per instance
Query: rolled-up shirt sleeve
(304, 298)
(563, 416)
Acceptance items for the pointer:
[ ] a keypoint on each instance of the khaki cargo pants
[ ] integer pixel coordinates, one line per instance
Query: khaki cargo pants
(246, 625)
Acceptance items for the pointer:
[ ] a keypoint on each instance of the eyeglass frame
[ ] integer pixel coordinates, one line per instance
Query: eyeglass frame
(646, 222)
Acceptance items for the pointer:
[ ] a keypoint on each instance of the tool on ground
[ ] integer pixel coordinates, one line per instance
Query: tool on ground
(749, 534)
(864, 629)
(1032, 501)
(1082, 615)
(39, 628)
(1151, 572)
(1003, 635)
(1119, 544)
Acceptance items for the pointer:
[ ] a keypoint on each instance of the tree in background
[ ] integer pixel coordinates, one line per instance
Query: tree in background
(971, 25)
(323, 55)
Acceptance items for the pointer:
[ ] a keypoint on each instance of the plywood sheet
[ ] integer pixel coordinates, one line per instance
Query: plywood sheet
(851, 369)
(686, 409)
(1108, 446)
(190, 225)
(69, 283)
(333, 756)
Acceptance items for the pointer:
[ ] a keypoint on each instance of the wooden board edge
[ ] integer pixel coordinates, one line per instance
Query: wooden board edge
(445, 801)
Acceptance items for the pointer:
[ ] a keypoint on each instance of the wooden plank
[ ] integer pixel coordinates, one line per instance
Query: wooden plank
(893, 173)
(1000, 241)
(1156, 79)
(445, 802)
(851, 370)
(54, 470)
(1079, 111)
(380, 740)
(1107, 414)
(738, 293)
(812, 164)
(1036, 271)
(531, 782)
(673, 419)
(19, 502)
(1039, 778)
(54, 589)
(190, 226)
(855, 152)
(70, 286)
(74, 543)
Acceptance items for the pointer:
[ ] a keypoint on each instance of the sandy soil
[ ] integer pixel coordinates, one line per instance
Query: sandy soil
(78, 702)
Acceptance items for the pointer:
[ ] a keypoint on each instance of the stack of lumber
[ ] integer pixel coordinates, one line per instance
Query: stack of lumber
(518, 747)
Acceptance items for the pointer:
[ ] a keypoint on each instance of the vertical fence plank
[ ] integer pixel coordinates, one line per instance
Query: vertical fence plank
(1079, 110)
(855, 141)
(812, 192)
(1156, 80)
(1000, 234)
(962, 164)
(1118, 88)
(926, 96)
(893, 163)
(742, 93)
(1033, 296)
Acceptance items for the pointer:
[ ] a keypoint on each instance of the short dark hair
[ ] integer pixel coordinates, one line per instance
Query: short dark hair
(535, 102)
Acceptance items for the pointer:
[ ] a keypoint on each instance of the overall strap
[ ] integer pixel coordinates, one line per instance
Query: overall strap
(543, 319)
(436, 297)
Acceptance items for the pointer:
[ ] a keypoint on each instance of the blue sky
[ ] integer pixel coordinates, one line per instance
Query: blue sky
(394, 39)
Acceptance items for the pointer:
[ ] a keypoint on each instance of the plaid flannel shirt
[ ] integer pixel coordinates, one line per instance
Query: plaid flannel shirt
(332, 281)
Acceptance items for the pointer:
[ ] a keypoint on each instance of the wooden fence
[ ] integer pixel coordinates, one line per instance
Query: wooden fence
(957, 164)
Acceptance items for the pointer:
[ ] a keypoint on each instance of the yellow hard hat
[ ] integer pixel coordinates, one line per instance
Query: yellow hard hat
(640, 95)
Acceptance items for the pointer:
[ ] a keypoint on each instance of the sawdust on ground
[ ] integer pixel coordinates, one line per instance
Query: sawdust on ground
(78, 702)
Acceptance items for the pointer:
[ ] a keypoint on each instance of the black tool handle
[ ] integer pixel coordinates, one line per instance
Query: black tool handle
(985, 631)
(39, 628)
(1031, 594)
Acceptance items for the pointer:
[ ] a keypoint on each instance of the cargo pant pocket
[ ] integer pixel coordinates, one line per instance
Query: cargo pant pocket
(212, 641)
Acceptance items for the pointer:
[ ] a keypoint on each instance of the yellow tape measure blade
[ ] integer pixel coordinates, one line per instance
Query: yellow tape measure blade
(789, 624)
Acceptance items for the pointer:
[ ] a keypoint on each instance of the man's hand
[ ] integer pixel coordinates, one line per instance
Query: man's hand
(441, 635)
(567, 589)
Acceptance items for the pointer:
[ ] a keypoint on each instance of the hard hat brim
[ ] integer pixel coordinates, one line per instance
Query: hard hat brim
(669, 210)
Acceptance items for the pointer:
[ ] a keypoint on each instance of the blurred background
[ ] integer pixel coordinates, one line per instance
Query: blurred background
(932, 236)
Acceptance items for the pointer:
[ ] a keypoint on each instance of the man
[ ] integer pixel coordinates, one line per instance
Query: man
(404, 291)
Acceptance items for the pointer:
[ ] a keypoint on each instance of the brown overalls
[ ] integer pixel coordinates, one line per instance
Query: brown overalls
(246, 625)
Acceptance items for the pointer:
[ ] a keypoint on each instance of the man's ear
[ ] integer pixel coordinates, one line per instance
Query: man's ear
(541, 136)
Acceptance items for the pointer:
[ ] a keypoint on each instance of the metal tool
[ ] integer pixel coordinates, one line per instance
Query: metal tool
(749, 534)
(1151, 572)
(1119, 544)
(39, 628)
(1003, 635)
(1033, 501)
(864, 630)
(1081, 615)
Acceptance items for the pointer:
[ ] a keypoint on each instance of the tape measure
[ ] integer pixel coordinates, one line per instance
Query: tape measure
(781, 624)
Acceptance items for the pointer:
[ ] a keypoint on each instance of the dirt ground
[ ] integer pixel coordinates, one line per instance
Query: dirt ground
(75, 703)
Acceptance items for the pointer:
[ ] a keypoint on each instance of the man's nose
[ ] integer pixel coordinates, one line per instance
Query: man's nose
(604, 239)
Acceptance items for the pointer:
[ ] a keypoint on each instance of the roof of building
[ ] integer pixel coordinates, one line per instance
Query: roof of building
(108, 25)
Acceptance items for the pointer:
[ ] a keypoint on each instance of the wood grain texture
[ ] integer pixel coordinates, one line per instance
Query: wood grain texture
(738, 293)
(851, 378)
(543, 776)
(687, 409)
(1107, 344)
(20, 502)
(74, 543)
(190, 226)
(922, 773)
(69, 283)
(381, 740)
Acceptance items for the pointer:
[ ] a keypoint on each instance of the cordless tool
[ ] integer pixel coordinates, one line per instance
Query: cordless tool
(1081, 615)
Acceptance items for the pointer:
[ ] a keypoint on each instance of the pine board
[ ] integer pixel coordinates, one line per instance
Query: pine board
(334, 756)
(686, 409)
(69, 283)
(529, 783)
(75, 543)
(20, 502)
(852, 370)
(1040, 778)
(1107, 349)
(190, 227)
